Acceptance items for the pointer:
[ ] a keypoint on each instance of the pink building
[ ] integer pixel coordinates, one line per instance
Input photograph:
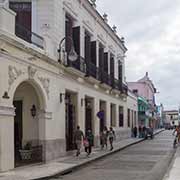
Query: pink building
(145, 88)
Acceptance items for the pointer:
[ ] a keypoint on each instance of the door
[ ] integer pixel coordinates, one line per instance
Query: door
(18, 132)
(70, 126)
(88, 123)
(23, 19)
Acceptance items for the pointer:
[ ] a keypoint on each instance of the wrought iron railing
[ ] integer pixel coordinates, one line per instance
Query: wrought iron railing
(104, 77)
(29, 36)
(79, 64)
(92, 70)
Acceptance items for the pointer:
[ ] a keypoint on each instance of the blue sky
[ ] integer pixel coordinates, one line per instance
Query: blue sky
(152, 36)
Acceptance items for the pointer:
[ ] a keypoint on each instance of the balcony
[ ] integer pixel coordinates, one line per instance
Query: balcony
(92, 70)
(79, 64)
(29, 36)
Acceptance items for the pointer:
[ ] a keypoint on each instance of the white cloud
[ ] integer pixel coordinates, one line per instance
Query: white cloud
(152, 32)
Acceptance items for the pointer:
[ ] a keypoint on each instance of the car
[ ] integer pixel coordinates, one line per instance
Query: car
(149, 133)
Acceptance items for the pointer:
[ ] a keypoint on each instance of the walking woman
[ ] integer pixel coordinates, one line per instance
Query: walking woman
(89, 138)
(111, 135)
(104, 137)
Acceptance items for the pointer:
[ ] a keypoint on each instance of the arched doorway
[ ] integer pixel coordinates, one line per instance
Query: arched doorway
(27, 102)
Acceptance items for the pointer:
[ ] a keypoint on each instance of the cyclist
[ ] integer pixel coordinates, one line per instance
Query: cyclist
(177, 131)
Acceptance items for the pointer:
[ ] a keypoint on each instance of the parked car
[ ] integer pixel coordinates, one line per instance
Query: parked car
(149, 133)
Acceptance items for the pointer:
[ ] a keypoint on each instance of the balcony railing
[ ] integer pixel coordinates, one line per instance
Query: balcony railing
(79, 64)
(92, 70)
(29, 36)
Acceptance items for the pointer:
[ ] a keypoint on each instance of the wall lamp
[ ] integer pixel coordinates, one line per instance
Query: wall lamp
(33, 111)
(72, 55)
(5, 96)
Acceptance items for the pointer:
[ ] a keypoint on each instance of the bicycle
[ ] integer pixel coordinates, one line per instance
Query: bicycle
(175, 142)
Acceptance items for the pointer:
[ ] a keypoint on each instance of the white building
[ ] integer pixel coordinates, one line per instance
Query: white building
(43, 100)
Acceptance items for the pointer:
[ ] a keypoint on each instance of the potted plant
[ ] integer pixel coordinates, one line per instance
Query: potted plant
(26, 151)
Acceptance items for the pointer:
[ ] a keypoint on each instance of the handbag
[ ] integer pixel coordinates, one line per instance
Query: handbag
(86, 143)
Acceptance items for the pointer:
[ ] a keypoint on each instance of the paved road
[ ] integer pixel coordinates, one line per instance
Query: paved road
(145, 161)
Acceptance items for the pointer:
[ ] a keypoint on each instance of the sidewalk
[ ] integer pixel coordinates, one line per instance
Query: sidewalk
(65, 164)
(174, 172)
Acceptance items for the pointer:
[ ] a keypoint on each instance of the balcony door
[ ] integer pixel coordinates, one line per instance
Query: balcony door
(23, 19)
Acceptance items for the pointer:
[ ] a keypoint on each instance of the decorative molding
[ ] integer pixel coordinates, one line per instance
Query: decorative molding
(101, 39)
(45, 82)
(31, 72)
(68, 6)
(13, 74)
(7, 111)
(88, 26)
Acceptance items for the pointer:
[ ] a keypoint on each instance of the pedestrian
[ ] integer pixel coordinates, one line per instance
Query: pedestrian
(88, 145)
(111, 135)
(135, 131)
(78, 136)
(144, 131)
(104, 137)
(140, 131)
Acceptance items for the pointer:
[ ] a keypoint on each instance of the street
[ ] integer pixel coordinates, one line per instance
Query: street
(144, 161)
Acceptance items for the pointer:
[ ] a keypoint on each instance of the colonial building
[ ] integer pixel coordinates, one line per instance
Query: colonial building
(146, 89)
(60, 65)
(171, 118)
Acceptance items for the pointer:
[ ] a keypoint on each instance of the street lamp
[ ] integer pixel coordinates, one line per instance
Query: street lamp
(72, 55)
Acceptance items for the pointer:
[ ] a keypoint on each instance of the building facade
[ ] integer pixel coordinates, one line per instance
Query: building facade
(171, 118)
(44, 93)
(145, 88)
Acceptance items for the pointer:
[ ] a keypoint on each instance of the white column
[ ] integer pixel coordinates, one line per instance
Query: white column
(96, 121)
(97, 53)
(6, 138)
(82, 41)
(81, 111)
(108, 114)
(117, 115)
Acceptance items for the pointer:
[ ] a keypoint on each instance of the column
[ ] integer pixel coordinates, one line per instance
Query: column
(6, 138)
(96, 122)
(108, 114)
(81, 111)
(117, 115)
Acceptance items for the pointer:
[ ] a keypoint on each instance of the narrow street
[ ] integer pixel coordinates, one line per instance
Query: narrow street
(144, 161)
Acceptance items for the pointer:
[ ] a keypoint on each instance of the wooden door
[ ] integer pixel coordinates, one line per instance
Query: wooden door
(18, 130)
(70, 126)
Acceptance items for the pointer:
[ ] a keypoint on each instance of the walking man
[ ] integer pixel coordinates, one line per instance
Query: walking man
(78, 137)
(90, 139)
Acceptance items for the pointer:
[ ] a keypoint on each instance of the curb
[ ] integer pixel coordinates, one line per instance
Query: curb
(69, 170)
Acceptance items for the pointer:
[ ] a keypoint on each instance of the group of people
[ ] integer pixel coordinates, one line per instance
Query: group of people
(105, 135)
(88, 139)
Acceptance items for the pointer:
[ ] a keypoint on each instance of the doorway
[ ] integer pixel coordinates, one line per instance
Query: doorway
(70, 118)
(88, 114)
(18, 132)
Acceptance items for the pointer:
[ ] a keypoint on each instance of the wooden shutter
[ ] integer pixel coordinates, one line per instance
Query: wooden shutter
(101, 57)
(76, 39)
(68, 32)
(93, 52)
(87, 48)
(106, 62)
(23, 13)
(120, 72)
(112, 66)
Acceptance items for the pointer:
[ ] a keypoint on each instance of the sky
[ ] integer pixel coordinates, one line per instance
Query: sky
(151, 29)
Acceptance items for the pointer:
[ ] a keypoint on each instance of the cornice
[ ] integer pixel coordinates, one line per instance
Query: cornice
(99, 19)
